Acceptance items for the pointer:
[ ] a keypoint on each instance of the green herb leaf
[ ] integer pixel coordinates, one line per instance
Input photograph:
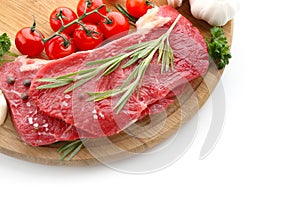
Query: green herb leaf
(53, 85)
(218, 47)
(5, 44)
(70, 149)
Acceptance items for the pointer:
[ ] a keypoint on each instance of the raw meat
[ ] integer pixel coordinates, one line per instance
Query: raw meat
(99, 118)
(34, 126)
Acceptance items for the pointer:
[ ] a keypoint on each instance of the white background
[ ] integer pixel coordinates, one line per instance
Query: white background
(258, 154)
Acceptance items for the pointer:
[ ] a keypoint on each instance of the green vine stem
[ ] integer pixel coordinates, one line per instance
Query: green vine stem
(76, 21)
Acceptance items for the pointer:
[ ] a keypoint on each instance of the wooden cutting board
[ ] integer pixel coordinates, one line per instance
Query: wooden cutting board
(16, 14)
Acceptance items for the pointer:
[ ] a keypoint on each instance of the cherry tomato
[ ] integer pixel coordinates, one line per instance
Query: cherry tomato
(29, 42)
(65, 15)
(88, 37)
(58, 47)
(90, 5)
(138, 8)
(116, 26)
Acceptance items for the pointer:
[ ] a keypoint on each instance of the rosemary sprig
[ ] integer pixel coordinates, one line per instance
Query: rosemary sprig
(143, 52)
(70, 149)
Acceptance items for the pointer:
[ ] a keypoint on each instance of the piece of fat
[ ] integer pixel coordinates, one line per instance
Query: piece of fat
(151, 20)
(3, 108)
(175, 3)
(30, 64)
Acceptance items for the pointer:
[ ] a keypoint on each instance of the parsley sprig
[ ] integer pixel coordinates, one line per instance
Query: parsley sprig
(5, 45)
(218, 47)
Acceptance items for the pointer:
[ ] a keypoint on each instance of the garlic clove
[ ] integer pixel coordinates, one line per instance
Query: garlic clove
(215, 12)
(3, 108)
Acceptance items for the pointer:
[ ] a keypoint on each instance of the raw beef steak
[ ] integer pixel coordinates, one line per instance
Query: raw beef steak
(34, 126)
(99, 118)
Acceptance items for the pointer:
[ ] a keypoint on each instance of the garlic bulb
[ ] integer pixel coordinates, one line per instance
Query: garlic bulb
(215, 12)
(3, 108)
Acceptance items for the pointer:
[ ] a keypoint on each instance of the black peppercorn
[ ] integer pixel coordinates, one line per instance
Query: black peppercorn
(27, 83)
(24, 96)
(81, 97)
(11, 80)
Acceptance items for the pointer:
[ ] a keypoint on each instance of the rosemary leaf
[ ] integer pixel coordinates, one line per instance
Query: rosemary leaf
(152, 47)
(53, 85)
(112, 68)
(160, 52)
(64, 76)
(75, 152)
(163, 62)
(98, 96)
(70, 149)
(171, 54)
(133, 60)
(129, 79)
(120, 104)
(67, 152)
(85, 71)
(68, 145)
(48, 80)
(167, 62)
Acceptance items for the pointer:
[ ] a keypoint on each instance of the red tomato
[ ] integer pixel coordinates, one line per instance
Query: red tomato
(65, 15)
(90, 5)
(138, 8)
(58, 47)
(87, 38)
(117, 26)
(29, 42)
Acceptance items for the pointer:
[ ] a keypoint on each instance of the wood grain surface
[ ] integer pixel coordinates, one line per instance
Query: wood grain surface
(144, 135)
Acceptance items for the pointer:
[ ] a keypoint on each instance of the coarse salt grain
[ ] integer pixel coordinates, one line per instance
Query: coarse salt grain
(30, 121)
(65, 104)
(36, 125)
(101, 115)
